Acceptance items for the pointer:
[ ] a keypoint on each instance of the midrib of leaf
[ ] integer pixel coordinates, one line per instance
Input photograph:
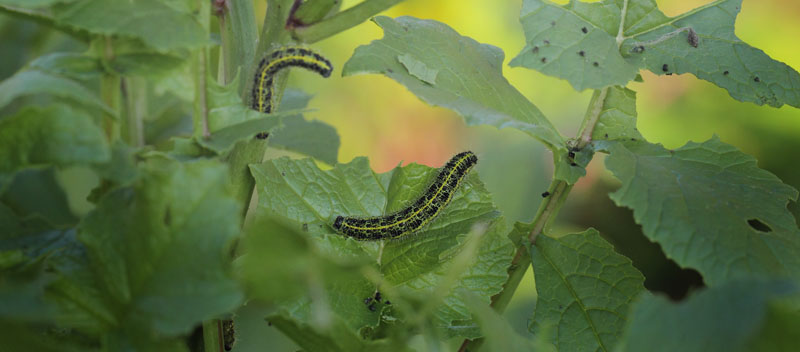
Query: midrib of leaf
(577, 299)
(672, 20)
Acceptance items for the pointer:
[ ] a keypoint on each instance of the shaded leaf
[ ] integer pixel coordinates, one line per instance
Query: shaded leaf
(584, 291)
(158, 249)
(469, 81)
(735, 316)
(33, 82)
(310, 137)
(36, 193)
(703, 202)
(54, 135)
(618, 116)
(142, 19)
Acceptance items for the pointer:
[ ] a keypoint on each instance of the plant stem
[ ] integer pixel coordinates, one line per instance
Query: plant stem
(342, 21)
(548, 209)
(134, 91)
(212, 336)
(110, 94)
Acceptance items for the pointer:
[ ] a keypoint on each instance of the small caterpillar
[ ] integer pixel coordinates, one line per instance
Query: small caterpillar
(420, 213)
(277, 60)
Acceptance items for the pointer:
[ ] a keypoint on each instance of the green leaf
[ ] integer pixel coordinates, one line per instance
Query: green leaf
(334, 338)
(32, 4)
(36, 193)
(300, 191)
(585, 44)
(575, 42)
(704, 203)
(310, 12)
(54, 135)
(225, 138)
(747, 73)
(313, 138)
(142, 19)
(75, 66)
(584, 290)
(736, 316)
(159, 249)
(498, 333)
(33, 82)
(469, 81)
(618, 116)
(418, 69)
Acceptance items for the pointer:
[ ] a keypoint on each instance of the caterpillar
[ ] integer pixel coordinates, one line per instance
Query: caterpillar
(419, 213)
(277, 60)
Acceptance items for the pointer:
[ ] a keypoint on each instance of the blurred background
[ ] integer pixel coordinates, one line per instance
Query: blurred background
(380, 119)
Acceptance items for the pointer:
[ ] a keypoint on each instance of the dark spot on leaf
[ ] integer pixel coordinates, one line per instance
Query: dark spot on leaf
(606, 135)
(757, 79)
(368, 300)
(545, 194)
(378, 296)
(372, 307)
(582, 53)
(262, 135)
(638, 49)
(725, 73)
(693, 39)
(553, 23)
(665, 68)
(305, 227)
(758, 225)
(596, 64)
(560, 307)
(584, 30)
(283, 174)
(535, 50)
(571, 155)
(546, 42)
(544, 60)
(389, 70)
(669, 74)
(387, 302)
(573, 164)
(633, 139)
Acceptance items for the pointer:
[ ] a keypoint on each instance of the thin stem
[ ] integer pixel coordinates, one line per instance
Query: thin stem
(590, 120)
(342, 21)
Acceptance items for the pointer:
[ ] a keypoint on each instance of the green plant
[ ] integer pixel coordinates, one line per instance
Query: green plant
(173, 246)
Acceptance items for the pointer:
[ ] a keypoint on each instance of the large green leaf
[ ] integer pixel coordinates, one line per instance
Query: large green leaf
(31, 82)
(576, 42)
(446, 69)
(55, 135)
(710, 207)
(32, 3)
(142, 19)
(752, 315)
(584, 291)
(498, 333)
(586, 44)
(300, 191)
(617, 118)
(36, 193)
(159, 249)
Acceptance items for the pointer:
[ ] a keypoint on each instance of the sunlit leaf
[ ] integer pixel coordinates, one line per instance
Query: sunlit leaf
(469, 76)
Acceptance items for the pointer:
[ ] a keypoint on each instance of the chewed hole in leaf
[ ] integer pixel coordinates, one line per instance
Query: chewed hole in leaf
(758, 225)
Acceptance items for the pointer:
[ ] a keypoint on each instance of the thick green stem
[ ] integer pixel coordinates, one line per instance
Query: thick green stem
(212, 336)
(110, 94)
(342, 21)
(134, 90)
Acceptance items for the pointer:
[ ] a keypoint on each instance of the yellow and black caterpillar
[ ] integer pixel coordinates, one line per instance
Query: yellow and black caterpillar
(292, 56)
(420, 213)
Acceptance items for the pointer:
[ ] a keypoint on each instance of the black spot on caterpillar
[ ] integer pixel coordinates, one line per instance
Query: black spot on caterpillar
(418, 214)
(277, 60)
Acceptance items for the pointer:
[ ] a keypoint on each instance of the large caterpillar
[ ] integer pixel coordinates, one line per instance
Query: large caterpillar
(420, 213)
(262, 92)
